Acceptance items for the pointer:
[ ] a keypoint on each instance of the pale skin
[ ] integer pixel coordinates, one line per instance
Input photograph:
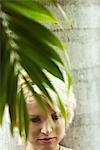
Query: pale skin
(41, 134)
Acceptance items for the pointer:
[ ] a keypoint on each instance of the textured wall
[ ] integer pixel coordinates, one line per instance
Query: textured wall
(84, 50)
(6, 141)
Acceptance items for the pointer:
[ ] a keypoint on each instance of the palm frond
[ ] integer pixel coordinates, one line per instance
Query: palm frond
(27, 45)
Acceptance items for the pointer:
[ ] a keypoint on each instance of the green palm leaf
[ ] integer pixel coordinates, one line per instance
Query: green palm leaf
(37, 30)
(29, 9)
(23, 118)
(29, 46)
(11, 96)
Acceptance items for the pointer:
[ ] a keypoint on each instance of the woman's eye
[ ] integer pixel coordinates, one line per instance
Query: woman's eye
(35, 120)
(55, 117)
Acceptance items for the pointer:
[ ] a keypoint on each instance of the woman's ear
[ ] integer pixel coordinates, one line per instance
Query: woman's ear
(70, 113)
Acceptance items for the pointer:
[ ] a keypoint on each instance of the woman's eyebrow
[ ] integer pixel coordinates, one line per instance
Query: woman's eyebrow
(53, 113)
(34, 115)
(56, 113)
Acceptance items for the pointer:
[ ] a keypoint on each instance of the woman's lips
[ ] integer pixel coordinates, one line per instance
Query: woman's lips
(47, 140)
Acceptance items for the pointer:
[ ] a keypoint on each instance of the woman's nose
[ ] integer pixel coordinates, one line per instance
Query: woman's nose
(46, 128)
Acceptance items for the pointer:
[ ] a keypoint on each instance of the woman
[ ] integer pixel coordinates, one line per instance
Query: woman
(47, 131)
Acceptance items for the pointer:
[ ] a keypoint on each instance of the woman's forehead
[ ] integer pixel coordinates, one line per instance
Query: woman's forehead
(34, 108)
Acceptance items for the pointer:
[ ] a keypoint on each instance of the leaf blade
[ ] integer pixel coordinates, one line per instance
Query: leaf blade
(31, 9)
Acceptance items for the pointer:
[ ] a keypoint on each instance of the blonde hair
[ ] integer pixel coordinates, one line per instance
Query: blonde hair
(67, 98)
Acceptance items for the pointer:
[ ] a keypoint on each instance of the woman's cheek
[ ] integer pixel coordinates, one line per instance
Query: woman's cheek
(33, 132)
(60, 127)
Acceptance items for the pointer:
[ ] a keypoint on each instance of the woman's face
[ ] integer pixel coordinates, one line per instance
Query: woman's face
(41, 134)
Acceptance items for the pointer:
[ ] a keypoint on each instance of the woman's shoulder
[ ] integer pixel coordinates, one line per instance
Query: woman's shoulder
(64, 148)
